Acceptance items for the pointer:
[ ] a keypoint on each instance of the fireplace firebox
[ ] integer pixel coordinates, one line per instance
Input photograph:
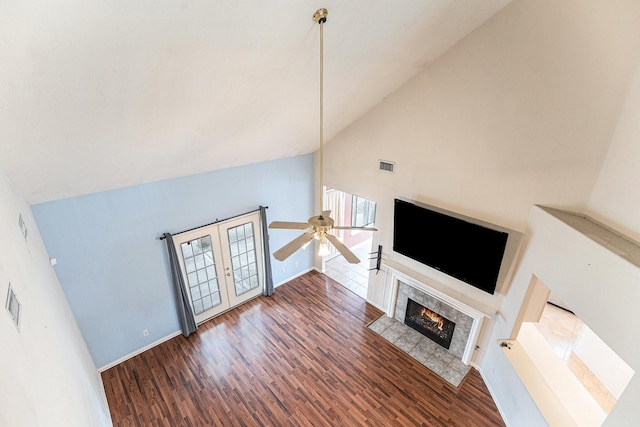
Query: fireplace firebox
(429, 323)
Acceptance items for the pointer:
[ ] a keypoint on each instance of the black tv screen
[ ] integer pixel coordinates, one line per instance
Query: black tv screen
(469, 252)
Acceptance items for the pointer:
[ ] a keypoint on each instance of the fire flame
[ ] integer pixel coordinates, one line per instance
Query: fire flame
(434, 317)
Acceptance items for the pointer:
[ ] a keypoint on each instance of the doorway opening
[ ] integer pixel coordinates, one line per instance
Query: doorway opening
(585, 375)
(349, 209)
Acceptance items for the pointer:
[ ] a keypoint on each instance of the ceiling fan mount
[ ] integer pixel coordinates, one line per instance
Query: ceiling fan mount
(320, 14)
(321, 224)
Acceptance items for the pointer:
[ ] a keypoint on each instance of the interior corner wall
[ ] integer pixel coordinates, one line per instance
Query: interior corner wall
(520, 112)
(615, 200)
(113, 267)
(47, 376)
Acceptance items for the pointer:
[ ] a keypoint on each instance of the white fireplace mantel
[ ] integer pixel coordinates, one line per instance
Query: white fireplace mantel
(395, 276)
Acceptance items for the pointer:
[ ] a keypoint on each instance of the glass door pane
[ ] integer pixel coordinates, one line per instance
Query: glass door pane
(241, 245)
(243, 258)
(201, 268)
(201, 274)
(222, 264)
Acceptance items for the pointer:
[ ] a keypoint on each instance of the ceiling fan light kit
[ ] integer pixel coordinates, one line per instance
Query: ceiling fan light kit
(323, 248)
(323, 223)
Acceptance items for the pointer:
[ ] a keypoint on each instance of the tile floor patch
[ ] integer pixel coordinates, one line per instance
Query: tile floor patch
(354, 277)
(428, 353)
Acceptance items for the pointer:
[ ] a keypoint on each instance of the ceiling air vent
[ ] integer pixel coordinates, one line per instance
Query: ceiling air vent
(387, 166)
(13, 307)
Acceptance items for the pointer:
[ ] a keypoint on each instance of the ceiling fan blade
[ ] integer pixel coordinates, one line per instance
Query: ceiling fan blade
(289, 225)
(288, 249)
(346, 253)
(337, 227)
(326, 213)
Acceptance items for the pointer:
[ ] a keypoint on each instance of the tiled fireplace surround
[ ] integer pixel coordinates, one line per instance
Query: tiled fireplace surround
(462, 321)
(450, 364)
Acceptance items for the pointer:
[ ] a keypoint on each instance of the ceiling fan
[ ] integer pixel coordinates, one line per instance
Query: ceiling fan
(323, 223)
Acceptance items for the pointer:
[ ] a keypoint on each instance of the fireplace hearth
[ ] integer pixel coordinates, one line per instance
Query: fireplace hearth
(429, 323)
(468, 319)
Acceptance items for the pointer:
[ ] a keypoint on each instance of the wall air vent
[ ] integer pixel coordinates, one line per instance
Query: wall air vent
(23, 227)
(13, 307)
(387, 166)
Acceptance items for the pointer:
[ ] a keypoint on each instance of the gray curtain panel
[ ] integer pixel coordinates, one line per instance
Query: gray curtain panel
(268, 276)
(185, 311)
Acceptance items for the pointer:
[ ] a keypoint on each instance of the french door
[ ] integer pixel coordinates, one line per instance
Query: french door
(222, 264)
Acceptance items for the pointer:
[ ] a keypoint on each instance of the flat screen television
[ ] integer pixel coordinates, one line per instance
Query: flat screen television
(454, 245)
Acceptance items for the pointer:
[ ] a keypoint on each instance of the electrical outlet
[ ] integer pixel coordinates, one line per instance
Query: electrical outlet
(145, 332)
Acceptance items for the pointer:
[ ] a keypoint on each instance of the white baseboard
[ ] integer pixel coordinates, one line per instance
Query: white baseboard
(295, 276)
(493, 396)
(105, 411)
(379, 307)
(175, 334)
(140, 350)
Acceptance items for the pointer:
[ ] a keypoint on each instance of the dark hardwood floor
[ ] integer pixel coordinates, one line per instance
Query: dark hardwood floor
(301, 357)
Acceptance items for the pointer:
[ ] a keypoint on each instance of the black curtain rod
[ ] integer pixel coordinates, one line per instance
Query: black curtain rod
(214, 222)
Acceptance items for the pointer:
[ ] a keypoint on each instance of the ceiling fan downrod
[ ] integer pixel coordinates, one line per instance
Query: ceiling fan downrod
(322, 224)
(320, 16)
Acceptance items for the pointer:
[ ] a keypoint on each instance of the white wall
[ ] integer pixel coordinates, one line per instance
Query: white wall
(615, 201)
(47, 377)
(603, 362)
(596, 284)
(521, 112)
(616, 198)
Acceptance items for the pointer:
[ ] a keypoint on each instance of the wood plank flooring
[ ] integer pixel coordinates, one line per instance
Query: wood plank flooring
(302, 357)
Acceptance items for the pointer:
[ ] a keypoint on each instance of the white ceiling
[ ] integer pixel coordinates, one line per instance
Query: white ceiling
(101, 95)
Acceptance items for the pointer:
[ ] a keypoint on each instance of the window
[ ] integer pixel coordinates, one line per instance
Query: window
(363, 212)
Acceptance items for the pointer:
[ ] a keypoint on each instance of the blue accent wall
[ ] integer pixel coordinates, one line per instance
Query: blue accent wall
(113, 267)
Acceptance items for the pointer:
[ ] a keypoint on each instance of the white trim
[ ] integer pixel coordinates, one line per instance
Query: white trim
(379, 307)
(175, 334)
(106, 411)
(477, 315)
(493, 395)
(296, 276)
(138, 351)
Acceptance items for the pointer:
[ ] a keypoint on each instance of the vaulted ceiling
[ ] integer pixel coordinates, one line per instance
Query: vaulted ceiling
(102, 95)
